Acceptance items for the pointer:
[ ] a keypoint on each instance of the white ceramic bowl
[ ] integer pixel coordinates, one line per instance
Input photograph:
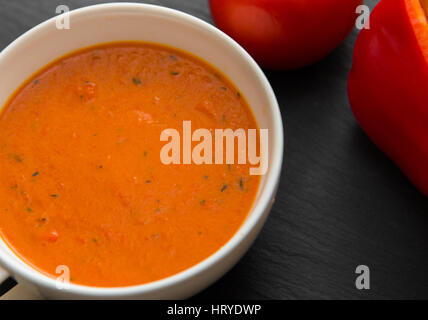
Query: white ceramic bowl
(128, 21)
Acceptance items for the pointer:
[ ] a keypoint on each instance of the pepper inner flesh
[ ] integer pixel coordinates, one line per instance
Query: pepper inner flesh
(424, 4)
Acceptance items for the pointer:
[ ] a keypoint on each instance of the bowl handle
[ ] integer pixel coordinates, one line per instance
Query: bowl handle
(14, 291)
(3, 275)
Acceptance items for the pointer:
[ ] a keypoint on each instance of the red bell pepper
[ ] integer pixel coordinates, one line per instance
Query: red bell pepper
(388, 84)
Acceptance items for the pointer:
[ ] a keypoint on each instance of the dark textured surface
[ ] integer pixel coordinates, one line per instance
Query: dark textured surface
(341, 202)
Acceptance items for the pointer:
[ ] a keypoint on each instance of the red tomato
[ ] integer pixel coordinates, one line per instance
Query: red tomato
(286, 34)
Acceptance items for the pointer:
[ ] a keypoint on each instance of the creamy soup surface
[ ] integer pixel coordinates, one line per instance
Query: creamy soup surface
(82, 184)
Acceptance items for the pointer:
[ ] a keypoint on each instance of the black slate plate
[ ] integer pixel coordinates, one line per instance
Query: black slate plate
(341, 202)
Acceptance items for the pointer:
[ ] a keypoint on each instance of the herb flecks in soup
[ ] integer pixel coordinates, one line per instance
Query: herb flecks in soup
(82, 184)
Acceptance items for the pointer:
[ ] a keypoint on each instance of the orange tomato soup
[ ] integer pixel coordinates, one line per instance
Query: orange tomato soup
(82, 184)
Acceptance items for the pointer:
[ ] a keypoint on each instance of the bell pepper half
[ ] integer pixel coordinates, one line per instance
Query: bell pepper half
(388, 84)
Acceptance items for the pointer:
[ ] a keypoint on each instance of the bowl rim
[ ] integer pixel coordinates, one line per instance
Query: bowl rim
(250, 223)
